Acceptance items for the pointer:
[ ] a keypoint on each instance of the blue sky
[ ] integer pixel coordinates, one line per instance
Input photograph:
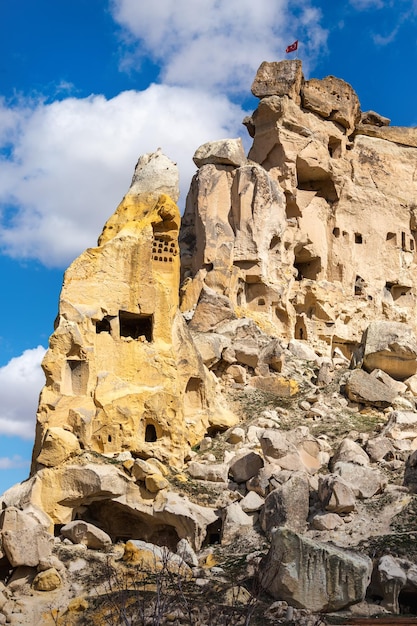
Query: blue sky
(87, 86)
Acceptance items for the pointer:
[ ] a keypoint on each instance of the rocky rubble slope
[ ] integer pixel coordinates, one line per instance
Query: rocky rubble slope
(228, 428)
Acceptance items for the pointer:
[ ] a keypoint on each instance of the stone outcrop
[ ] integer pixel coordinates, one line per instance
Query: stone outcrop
(122, 372)
(310, 238)
(303, 573)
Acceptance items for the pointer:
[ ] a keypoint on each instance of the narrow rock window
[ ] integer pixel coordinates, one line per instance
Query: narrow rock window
(359, 286)
(135, 326)
(77, 377)
(335, 147)
(392, 238)
(358, 238)
(150, 433)
(336, 232)
(261, 302)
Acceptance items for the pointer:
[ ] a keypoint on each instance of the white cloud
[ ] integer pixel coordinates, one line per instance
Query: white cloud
(21, 381)
(14, 462)
(219, 44)
(68, 164)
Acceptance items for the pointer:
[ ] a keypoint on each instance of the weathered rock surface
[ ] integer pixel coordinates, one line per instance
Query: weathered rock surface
(303, 573)
(294, 263)
(391, 347)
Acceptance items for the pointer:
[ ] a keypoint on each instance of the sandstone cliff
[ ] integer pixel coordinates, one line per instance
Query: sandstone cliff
(230, 398)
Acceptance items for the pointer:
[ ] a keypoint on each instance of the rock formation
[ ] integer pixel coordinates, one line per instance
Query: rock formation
(232, 402)
(122, 372)
(316, 233)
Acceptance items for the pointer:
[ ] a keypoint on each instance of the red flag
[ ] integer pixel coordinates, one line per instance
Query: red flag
(292, 48)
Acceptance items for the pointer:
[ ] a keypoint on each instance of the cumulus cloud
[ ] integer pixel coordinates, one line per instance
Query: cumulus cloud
(21, 381)
(219, 44)
(14, 462)
(65, 166)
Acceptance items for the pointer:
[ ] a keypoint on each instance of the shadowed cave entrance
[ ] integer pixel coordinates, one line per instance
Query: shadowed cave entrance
(123, 524)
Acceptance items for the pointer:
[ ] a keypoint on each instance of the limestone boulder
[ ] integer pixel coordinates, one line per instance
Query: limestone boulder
(292, 450)
(390, 347)
(326, 521)
(350, 452)
(223, 152)
(213, 472)
(24, 541)
(335, 494)
(235, 521)
(380, 449)
(212, 310)
(391, 578)
(87, 534)
(287, 505)
(278, 78)
(361, 387)
(252, 502)
(401, 425)
(48, 580)
(245, 466)
(364, 481)
(314, 575)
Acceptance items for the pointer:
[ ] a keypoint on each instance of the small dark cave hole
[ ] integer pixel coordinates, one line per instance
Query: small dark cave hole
(150, 433)
(103, 326)
(408, 603)
(214, 533)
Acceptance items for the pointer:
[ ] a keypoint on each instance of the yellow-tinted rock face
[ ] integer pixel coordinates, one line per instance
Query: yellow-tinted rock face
(122, 372)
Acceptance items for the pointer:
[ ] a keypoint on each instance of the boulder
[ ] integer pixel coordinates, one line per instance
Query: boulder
(222, 152)
(278, 78)
(212, 310)
(365, 482)
(48, 580)
(361, 387)
(349, 452)
(155, 482)
(326, 521)
(235, 521)
(87, 534)
(292, 450)
(313, 575)
(287, 505)
(245, 466)
(401, 425)
(390, 347)
(24, 541)
(335, 494)
(213, 472)
(380, 449)
(391, 578)
(252, 502)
